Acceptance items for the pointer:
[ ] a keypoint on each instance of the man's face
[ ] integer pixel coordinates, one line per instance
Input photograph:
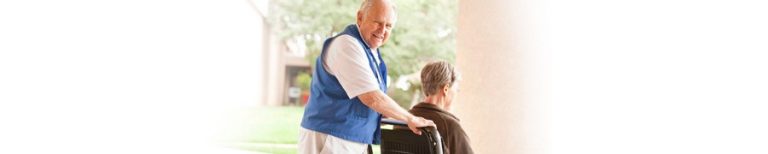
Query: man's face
(376, 25)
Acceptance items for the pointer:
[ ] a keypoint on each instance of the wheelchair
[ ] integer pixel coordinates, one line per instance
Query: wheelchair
(401, 140)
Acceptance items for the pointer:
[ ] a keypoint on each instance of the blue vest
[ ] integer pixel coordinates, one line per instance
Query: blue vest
(330, 110)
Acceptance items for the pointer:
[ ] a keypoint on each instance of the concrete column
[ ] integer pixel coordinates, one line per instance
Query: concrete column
(499, 103)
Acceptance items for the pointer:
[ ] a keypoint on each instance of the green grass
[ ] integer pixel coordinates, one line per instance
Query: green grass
(272, 130)
(277, 125)
(267, 129)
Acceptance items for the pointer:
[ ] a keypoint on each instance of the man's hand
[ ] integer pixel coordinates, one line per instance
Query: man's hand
(415, 122)
(380, 102)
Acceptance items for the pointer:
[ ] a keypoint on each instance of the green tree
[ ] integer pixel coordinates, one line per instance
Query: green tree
(425, 31)
(303, 80)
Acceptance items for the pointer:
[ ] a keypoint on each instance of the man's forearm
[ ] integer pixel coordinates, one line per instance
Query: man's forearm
(380, 102)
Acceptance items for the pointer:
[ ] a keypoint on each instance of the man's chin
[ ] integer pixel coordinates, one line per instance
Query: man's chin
(373, 45)
(377, 44)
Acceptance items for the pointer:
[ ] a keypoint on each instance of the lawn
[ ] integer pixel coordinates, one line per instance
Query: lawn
(270, 129)
(276, 125)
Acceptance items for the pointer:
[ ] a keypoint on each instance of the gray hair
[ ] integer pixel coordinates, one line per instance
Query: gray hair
(436, 75)
(368, 4)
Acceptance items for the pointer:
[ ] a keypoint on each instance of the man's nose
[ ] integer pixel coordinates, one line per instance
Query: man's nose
(381, 29)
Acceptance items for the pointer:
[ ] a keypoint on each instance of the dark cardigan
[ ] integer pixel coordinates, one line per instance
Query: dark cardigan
(454, 137)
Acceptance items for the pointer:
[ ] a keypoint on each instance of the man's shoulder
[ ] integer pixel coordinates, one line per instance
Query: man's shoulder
(346, 38)
(346, 43)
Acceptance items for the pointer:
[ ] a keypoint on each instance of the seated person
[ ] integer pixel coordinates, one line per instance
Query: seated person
(438, 81)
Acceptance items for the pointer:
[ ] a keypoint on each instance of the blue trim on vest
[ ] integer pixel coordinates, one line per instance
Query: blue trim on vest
(330, 110)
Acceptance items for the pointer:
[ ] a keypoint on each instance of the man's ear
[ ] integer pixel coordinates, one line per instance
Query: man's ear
(359, 17)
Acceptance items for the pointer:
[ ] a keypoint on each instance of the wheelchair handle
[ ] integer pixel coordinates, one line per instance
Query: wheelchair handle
(429, 130)
(403, 123)
(394, 122)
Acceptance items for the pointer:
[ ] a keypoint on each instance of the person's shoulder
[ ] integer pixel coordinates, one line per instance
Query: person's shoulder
(453, 123)
(452, 118)
(345, 39)
(431, 115)
(346, 44)
(421, 112)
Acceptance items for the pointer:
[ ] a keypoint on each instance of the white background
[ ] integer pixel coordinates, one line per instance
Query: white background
(146, 76)
(658, 76)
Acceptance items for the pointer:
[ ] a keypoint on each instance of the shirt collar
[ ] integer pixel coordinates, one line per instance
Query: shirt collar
(433, 107)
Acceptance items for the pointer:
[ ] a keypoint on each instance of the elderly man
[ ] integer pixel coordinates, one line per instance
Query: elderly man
(347, 92)
(439, 83)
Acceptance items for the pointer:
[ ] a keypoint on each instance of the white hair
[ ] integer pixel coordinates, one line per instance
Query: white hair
(368, 4)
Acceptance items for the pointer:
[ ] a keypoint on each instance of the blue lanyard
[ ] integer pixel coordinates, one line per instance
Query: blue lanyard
(376, 66)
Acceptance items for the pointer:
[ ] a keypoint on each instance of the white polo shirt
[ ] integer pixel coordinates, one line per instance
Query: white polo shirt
(346, 59)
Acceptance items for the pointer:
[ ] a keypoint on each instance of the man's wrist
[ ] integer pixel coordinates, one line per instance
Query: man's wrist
(410, 119)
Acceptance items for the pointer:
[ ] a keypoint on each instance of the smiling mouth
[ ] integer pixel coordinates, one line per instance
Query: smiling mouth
(378, 37)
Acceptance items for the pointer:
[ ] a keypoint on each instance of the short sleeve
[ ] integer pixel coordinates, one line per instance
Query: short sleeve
(346, 59)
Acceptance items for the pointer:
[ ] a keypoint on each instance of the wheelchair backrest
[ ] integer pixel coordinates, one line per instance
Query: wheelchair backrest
(401, 140)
